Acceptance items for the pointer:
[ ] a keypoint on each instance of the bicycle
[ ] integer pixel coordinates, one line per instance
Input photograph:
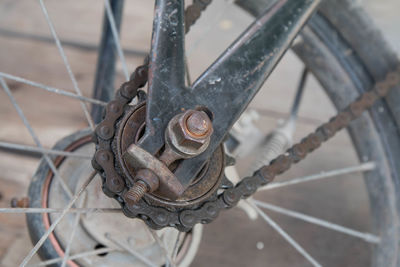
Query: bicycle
(164, 155)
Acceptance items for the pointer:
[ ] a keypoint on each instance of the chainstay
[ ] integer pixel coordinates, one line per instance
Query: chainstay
(266, 174)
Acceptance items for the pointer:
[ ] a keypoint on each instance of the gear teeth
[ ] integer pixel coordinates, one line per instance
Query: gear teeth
(226, 183)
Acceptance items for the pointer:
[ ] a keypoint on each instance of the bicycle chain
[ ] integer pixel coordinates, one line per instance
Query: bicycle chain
(184, 220)
(193, 12)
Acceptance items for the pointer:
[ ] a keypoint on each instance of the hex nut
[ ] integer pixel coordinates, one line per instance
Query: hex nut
(187, 142)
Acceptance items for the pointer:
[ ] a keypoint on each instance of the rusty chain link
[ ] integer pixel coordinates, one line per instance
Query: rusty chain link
(193, 12)
(159, 217)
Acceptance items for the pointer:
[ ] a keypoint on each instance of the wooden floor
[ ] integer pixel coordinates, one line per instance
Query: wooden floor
(53, 117)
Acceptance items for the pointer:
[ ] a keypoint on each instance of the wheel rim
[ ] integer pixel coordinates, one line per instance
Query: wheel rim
(391, 216)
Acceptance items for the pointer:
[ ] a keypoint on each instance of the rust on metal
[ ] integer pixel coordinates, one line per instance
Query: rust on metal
(188, 134)
(185, 217)
(131, 127)
(19, 202)
(198, 124)
(205, 201)
(137, 191)
(149, 177)
(139, 158)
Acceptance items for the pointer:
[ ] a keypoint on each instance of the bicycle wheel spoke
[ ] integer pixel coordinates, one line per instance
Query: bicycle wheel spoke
(52, 89)
(299, 93)
(176, 247)
(274, 114)
(75, 256)
(187, 72)
(368, 166)
(66, 63)
(34, 136)
(43, 150)
(83, 46)
(174, 251)
(71, 237)
(162, 246)
(116, 38)
(132, 252)
(58, 220)
(53, 210)
(301, 216)
(288, 238)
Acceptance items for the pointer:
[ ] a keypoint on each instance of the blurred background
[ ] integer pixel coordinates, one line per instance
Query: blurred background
(27, 50)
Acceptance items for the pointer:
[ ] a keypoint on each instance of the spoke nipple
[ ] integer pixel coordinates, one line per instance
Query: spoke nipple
(20, 203)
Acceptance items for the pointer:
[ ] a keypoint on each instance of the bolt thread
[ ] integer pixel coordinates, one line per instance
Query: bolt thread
(137, 191)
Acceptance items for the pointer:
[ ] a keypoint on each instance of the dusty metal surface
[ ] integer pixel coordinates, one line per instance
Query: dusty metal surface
(139, 159)
(184, 220)
(85, 60)
(19, 202)
(227, 86)
(187, 135)
(128, 130)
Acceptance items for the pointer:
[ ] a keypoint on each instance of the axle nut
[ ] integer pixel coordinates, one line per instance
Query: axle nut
(189, 133)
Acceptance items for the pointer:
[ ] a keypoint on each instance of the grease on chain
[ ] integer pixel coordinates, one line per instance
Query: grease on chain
(184, 220)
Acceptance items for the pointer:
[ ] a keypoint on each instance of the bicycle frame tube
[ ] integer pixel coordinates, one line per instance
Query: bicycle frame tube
(105, 69)
(226, 88)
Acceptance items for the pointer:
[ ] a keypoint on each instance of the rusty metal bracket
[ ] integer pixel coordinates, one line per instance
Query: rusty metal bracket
(139, 158)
